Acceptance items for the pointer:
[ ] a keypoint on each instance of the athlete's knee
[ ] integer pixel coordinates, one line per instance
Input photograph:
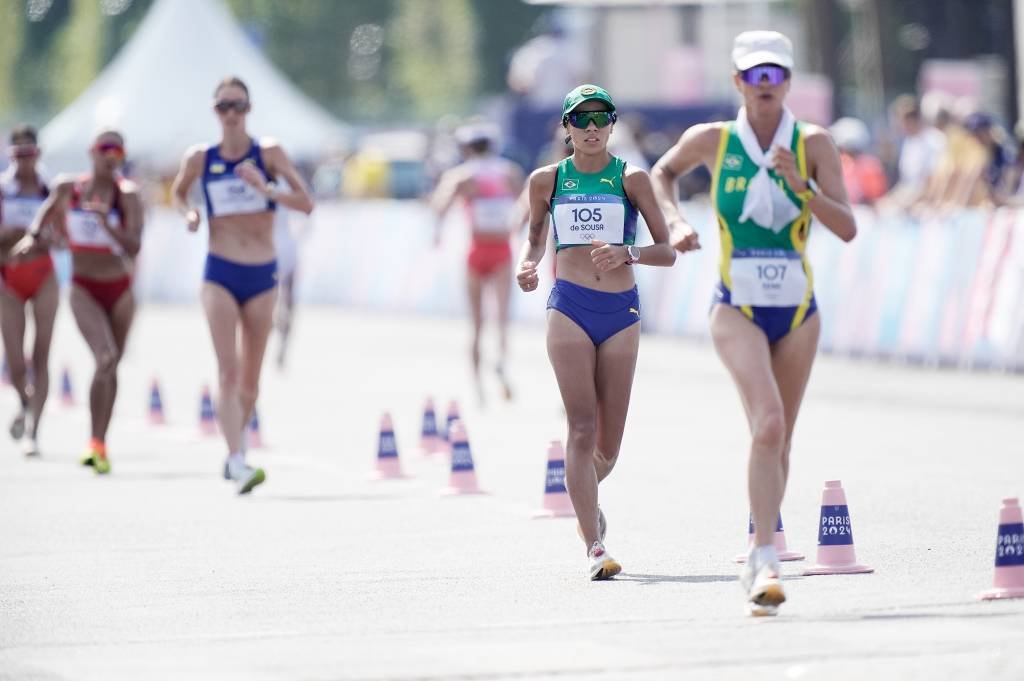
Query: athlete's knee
(583, 433)
(769, 429)
(606, 458)
(230, 379)
(106, 362)
(248, 394)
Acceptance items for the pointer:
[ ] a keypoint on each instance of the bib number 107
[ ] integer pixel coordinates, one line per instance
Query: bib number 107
(586, 214)
(771, 272)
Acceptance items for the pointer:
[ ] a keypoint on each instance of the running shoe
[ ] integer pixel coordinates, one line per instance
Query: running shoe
(17, 428)
(602, 526)
(506, 387)
(602, 565)
(30, 447)
(764, 588)
(100, 463)
(245, 475)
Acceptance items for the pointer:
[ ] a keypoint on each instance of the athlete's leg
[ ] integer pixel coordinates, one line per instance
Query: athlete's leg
(574, 359)
(12, 325)
(616, 363)
(792, 358)
(96, 329)
(222, 316)
(474, 289)
(44, 312)
(257, 318)
(744, 350)
(502, 278)
(121, 316)
(283, 312)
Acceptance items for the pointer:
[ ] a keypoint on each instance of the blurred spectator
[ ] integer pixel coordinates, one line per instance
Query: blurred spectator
(863, 173)
(920, 150)
(545, 67)
(992, 137)
(958, 178)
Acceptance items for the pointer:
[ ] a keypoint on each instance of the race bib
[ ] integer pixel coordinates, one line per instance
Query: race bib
(86, 233)
(17, 212)
(589, 217)
(767, 278)
(492, 214)
(233, 196)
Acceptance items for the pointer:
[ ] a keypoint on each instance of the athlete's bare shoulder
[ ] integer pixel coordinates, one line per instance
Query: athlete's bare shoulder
(270, 145)
(816, 137)
(126, 186)
(704, 135)
(543, 178)
(63, 182)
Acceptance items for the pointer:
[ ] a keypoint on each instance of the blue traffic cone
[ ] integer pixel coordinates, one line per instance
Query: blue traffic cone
(1009, 577)
(778, 540)
(431, 441)
(388, 465)
(836, 555)
(556, 502)
(207, 417)
(463, 474)
(156, 405)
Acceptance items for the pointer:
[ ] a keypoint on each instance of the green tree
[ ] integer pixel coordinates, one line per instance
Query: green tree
(11, 18)
(77, 55)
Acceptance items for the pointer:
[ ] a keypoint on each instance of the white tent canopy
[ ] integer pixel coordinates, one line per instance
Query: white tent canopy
(158, 92)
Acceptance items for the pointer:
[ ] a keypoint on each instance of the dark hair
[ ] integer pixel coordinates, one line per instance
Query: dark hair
(481, 146)
(906, 106)
(23, 131)
(229, 81)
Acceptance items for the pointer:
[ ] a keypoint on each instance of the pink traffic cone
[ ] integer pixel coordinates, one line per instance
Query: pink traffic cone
(556, 502)
(67, 395)
(450, 418)
(207, 419)
(431, 441)
(1009, 579)
(156, 405)
(253, 428)
(778, 539)
(463, 475)
(835, 536)
(388, 466)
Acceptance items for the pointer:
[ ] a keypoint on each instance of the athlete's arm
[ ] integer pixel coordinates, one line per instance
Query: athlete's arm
(191, 168)
(452, 184)
(540, 186)
(640, 191)
(129, 236)
(697, 146)
(51, 209)
(829, 205)
(278, 163)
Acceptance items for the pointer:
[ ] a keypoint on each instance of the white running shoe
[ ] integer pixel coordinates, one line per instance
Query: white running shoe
(602, 565)
(30, 447)
(245, 475)
(17, 428)
(763, 585)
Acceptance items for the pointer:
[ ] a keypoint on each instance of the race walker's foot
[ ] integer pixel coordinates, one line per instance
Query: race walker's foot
(17, 428)
(30, 447)
(762, 581)
(602, 565)
(244, 475)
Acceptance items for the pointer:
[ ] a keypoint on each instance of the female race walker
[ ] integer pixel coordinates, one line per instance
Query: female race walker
(240, 280)
(771, 173)
(26, 280)
(593, 329)
(488, 185)
(102, 214)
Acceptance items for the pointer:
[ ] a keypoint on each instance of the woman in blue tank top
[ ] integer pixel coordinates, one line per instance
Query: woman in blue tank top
(239, 287)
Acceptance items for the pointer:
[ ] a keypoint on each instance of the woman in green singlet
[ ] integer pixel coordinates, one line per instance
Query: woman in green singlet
(771, 173)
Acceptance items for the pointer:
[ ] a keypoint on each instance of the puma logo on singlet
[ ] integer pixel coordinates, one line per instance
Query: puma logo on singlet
(609, 180)
(635, 311)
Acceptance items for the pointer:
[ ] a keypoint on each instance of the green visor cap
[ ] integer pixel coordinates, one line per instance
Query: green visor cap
(585, 92)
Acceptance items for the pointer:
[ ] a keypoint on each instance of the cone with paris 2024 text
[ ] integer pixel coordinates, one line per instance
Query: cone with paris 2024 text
(255, 437)
(207, 417)
(431, 442)
(1009, 577)
(778, 540)
(156, 405)
(556, 503)
(462, 479)
(836, 555)
(388, 466)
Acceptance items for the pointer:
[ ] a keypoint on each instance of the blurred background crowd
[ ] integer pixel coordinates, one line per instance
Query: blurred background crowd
(920, 95)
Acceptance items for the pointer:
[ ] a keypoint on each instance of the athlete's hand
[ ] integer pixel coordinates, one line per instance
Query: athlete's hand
(784, 163)
(607, 257)
(22, 247)
(683, 237)
(192, 219)
(252, 176)
(527, 277)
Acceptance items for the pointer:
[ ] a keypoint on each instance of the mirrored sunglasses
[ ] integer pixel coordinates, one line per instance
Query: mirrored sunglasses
(765, 73)
(236, 105)
(582, 119)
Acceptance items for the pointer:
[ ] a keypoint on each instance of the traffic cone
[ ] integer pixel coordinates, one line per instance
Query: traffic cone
(253, 428)
(450, 418)
(431, 441)
(463, 475)
(207, 419)
(835, 536)
(556, 502)
(156, 405)
(67, 396)
(778, 539)
(388, 465)
(1009, 579)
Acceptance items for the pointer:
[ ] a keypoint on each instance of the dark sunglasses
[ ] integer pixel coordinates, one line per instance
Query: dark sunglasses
(237, 105)
(582, 119)
(765, 73)
(109, 148)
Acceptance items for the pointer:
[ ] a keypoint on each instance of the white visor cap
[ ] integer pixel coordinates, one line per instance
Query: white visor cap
(753, 48)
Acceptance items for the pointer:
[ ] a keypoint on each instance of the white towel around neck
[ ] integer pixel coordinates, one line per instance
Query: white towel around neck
(766, 204)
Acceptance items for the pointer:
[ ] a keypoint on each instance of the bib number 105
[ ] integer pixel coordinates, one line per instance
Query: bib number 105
(586, 214)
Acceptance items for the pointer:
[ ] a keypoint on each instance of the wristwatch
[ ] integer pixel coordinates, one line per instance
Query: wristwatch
(272, 191)
(634, 255)
(811, 191)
